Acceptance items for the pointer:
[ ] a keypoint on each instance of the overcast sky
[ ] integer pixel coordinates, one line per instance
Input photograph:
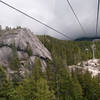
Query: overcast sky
(55, 13)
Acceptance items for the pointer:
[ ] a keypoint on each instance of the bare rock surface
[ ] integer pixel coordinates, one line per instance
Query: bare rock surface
(92, 65)
(22, 39)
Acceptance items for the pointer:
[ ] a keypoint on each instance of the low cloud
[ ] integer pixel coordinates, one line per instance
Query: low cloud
(55, 13)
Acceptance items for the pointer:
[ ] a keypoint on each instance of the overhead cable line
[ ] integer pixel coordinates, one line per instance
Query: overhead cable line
(97, 20)
(76, 16)
(42, 23)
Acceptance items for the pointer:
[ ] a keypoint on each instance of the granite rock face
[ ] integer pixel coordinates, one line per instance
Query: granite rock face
(22, 39)
(92, 65)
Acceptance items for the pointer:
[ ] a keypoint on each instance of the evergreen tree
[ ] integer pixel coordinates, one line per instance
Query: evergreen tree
(14, 63)
(35, 88)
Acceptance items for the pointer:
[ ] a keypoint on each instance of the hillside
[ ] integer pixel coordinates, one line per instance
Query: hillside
(19, 48)
(45, 66)
(72, 52)
(88, 39)
(75, 53)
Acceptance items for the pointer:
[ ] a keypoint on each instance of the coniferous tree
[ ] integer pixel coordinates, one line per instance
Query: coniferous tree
(15, 63)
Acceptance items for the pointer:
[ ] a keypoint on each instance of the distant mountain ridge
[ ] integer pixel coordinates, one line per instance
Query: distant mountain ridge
(87, 39)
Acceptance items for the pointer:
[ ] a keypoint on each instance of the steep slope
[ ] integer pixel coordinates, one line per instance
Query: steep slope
(27, 45)
(74, 54)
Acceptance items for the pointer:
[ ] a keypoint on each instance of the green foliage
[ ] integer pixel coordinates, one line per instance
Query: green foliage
(79, 86)
(3, 79)
(34, 88)
(28, 50)
(31, 90)
(15, 62)
(37, 71)
(3, 75)
(57, 83)
(70, 51)
(60, 80)
(43, 92)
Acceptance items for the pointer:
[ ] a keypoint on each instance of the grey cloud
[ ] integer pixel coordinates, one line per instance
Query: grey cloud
(55, 13)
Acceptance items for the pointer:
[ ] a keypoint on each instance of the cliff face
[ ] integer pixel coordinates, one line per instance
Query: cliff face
(23, 40)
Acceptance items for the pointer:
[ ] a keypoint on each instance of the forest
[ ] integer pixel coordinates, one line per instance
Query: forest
(57, 83)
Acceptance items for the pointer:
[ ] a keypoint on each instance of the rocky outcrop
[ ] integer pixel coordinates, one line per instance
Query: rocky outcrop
(92, 65)
(22, 39)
